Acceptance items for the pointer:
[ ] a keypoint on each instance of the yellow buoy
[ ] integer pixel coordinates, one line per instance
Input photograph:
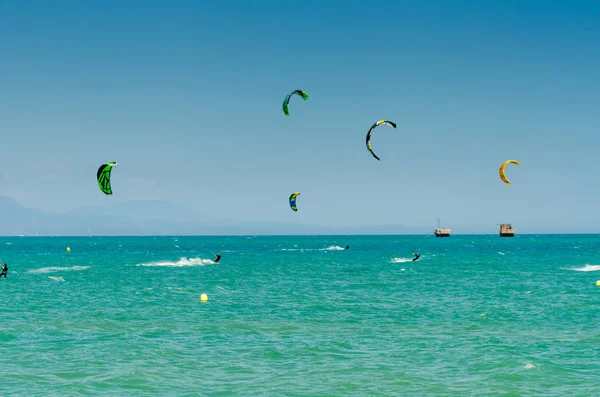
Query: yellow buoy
(204, 297)
(598, 283)
(68, 249)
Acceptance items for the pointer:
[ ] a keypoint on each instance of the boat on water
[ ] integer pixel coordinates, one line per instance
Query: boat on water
(439, 232)
(506, 230)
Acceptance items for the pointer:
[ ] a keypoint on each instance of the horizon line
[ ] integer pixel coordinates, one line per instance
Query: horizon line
(303, 235)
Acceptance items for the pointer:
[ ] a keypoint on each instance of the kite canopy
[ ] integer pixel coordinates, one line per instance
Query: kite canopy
(377, 124)
(293, 201)
(286, 101)
(103, 176)
(501, 171)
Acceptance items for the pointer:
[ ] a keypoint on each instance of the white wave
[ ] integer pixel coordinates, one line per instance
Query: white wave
(333, 248)
(330, 248)
(299, 249)
(529, 366)
(587, 268)
(501, 253)
(183, 262)
(59, 269)
(401, 260)
(56, 278)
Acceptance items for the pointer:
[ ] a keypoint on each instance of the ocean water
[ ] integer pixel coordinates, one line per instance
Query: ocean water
(301, 316)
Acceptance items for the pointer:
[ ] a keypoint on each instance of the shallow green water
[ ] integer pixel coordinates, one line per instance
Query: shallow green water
(300, 316)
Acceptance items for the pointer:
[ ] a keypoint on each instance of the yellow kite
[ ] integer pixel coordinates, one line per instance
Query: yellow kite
(502, 176)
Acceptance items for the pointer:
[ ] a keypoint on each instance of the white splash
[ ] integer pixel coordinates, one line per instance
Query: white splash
(56, 278)
(183, 262)
(59, 269)
(401, 260)
(587, 268)
(333, 248)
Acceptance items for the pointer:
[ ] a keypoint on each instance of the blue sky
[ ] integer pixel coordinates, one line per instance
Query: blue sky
(187, 95)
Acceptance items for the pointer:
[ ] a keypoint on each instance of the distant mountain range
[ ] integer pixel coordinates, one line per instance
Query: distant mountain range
(155, 218)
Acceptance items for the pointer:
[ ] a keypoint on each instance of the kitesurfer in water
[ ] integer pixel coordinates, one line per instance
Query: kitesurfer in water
(4, 270)
(347, 247)
(218, 258)
(417, 256)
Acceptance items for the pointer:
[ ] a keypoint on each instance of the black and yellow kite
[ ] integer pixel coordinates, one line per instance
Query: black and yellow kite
(377, 124)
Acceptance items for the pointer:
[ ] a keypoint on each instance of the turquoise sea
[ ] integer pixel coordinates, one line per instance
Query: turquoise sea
(477, 315)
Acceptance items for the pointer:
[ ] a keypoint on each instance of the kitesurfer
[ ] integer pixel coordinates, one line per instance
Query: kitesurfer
(218, 258)
(417, 256)
(4, 270)
(347, 247)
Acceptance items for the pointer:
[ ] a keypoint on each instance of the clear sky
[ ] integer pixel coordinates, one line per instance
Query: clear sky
(187, 97)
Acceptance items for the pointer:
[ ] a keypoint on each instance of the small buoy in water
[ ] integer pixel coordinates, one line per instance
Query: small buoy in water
(203, 297)
(68, 249)
(598, 283)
